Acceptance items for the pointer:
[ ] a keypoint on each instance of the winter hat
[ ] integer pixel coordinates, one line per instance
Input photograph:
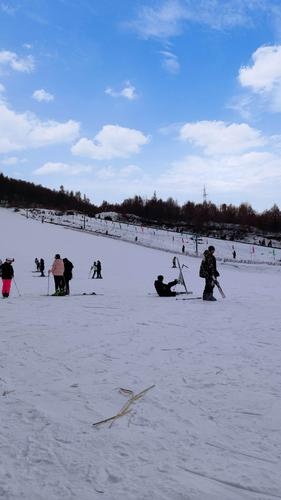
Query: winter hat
(211, 248)
(57, 256)
(9, 259)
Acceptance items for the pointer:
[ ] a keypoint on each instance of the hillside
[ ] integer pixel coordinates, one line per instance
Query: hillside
(210, 426)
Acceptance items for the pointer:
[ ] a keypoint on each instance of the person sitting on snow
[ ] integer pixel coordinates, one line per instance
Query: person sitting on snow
(164, 289)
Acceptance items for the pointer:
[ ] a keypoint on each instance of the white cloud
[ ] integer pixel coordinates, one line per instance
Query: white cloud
(130, 170)
(12, 60)
(170, 62)
(262, 80)
(220, 138)
(110, 173)
(19, 131)
(112, 141)
(235, 173)
(168, 18)
(265, 73)
(50, 168)
(128, 91)
(106, 173)
(41, 95)
(12, 160)
(162, 22)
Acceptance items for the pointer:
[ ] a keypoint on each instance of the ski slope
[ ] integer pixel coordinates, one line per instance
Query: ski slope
(210, 427)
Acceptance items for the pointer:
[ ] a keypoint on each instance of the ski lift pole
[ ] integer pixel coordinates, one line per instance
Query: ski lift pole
(16, 287)
(196, 244)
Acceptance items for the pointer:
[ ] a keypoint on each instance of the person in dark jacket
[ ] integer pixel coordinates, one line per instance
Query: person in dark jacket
(7, 276)
(68, 266)
(42, 267)
(208, 270)
(164, 289)
(99, 269)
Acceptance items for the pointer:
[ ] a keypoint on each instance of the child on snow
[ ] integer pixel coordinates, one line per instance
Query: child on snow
(7, 276)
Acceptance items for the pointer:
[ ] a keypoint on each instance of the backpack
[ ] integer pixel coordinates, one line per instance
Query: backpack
(203, 271)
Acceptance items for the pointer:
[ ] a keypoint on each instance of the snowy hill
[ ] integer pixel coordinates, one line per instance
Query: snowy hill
(209, 429)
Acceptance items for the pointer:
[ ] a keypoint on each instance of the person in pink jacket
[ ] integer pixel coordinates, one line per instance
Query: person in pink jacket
(57, 270)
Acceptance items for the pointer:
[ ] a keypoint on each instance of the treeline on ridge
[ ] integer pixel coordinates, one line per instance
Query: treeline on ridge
(15, 192)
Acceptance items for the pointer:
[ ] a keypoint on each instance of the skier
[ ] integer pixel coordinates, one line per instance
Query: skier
(37, 264)
(7, 276)
(99, 269)
(174, 262)
(57, 270)
(208, 270)
(42, 267)
(234, 254)
(183, 249)
(94, 268)
(164, 289)
(68, 266)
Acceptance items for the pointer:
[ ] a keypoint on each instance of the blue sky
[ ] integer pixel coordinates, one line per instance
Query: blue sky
(118, 97)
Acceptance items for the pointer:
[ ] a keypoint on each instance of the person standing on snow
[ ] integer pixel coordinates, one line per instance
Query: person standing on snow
(68, 266)
(42, 267)
(94, 268)
(57, 270)
(208, 270)
(7, 276)
(99, 269)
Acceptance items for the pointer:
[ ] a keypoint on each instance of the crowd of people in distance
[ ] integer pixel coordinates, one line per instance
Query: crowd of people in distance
(61, 270)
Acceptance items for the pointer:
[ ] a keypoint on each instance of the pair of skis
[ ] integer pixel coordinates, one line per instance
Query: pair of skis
(181, 280)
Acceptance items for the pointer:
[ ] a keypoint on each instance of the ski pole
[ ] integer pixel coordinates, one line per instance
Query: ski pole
(48, 289)
(16, 287)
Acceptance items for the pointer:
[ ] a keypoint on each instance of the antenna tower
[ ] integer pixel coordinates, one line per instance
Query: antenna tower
(204, 195)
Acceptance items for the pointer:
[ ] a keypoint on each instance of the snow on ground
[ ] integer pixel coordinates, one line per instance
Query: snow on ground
(208, 430)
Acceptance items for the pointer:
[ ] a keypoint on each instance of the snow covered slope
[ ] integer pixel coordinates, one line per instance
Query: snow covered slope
(208, 430)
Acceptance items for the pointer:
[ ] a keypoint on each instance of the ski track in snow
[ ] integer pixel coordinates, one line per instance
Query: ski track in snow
(208, 430)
